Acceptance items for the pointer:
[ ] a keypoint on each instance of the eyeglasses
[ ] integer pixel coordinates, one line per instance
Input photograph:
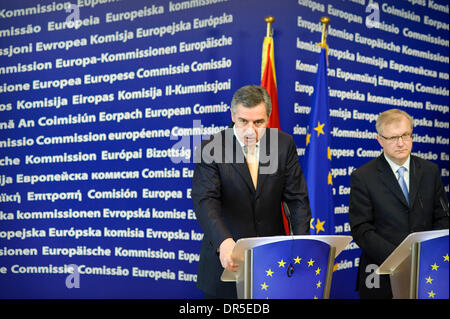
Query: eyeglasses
(395, 139)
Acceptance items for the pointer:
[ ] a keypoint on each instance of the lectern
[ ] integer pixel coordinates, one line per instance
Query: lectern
(418, 266)
(285, 267)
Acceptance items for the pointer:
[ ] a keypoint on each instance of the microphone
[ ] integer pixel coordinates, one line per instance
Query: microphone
(287, 213)
(418, 193)
(420, 201)
(444, 205)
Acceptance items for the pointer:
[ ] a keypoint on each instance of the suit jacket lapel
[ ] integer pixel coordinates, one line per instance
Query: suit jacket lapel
(261, 180)
(244, 172)
(264, 148)
(388, 178)
(234, 155)
(415, 175)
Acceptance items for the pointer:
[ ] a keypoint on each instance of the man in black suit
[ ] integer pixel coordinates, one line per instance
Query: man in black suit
(242, 175)
(392, 196)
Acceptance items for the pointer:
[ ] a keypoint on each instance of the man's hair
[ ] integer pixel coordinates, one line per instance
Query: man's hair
(390, 116)
(251, 96)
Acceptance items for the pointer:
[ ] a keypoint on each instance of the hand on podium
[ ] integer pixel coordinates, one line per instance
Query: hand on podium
(225, 250)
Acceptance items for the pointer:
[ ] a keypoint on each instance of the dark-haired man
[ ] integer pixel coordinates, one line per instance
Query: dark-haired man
(242, 175)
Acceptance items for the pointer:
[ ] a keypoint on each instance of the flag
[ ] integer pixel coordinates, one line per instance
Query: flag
(294, 269)
(433, 269)
(318, 155)
(269, 82)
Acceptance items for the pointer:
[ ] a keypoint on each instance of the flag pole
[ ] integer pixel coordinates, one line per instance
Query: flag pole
(325, 21)
(269, 82)
(269, 21)
(323, 43)
(318, 155)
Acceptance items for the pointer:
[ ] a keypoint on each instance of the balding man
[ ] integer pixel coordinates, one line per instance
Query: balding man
(392, 196)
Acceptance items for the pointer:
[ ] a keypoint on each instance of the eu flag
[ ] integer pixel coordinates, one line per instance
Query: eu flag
(294, 269)
(318, 155)
(433, 269)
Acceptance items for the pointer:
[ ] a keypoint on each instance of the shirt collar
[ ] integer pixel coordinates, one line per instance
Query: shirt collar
(240, 142)
(395, 167)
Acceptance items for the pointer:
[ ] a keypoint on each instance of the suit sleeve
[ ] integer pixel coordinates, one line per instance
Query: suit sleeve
(362, 222)
(295, 193)
(440, 211)
(206, 197)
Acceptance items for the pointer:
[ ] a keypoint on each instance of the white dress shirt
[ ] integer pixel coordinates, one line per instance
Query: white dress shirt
(244, 146)
(395, 168)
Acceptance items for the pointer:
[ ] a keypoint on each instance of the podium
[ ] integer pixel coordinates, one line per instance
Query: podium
(285, 267)
(415, 265)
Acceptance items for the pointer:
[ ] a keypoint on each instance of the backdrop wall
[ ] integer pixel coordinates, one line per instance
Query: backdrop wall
(102, 103)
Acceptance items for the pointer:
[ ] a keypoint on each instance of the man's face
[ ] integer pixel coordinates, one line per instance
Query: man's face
(396, 150)
(250, 123)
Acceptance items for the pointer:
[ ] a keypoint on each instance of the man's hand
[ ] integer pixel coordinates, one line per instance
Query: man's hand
(225, 249)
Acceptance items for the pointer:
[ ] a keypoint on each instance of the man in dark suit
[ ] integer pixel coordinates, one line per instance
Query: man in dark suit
(242, 175)
(392, 196)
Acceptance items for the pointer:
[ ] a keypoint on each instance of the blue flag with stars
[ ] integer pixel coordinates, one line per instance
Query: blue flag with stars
(433, 269)
(318, 155)
(294, 269)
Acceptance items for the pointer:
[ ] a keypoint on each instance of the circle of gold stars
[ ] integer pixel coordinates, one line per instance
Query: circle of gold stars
(297, 260)
(429, 279)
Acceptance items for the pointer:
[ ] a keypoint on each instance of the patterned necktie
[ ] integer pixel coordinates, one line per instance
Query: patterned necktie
(252, 164)
(402, 182)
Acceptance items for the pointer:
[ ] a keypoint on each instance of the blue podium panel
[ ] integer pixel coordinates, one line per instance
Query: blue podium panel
(433, 269)
(294, 269)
